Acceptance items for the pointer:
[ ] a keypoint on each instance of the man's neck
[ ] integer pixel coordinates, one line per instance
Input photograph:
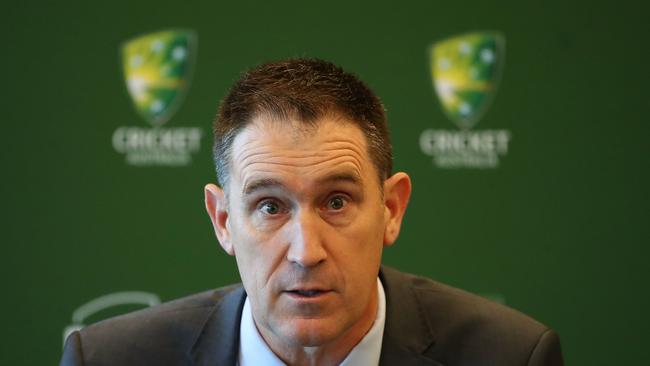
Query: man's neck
(332, 353)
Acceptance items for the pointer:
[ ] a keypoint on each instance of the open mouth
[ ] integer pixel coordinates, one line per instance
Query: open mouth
(306, 293)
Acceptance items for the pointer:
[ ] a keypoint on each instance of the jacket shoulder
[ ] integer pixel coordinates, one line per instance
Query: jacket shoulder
(160, 335)
(468, 329)
(451, 305)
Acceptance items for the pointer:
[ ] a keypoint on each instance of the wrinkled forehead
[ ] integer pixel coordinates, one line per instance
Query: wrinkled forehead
(293, 131)
(269, 146)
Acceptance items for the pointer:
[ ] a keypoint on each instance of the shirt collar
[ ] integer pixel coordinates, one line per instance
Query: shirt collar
(252, 348)
(367, 351)
(254, 351)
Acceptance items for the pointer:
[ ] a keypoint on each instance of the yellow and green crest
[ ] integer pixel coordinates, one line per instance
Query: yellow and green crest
(465, 70)
(157, 68)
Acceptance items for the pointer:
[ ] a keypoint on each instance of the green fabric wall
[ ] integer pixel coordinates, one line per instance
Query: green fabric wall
(559, 230)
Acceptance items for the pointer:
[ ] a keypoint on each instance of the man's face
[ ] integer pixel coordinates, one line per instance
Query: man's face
(306, 220)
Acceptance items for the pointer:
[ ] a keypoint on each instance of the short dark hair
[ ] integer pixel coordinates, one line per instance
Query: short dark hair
(305, 90)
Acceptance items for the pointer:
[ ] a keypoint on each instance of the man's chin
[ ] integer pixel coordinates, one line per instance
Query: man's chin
(310, 332)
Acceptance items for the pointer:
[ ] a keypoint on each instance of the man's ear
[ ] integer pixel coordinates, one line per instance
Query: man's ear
(397, 190)
(216, 205)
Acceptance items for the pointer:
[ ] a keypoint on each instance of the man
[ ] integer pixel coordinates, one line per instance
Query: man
(306, 205)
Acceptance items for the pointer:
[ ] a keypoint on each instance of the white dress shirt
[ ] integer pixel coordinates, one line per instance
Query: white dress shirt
(253, 351)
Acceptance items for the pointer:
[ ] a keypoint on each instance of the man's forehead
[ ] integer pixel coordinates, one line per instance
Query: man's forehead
(296, 130)
(327, 150)
(290, 136)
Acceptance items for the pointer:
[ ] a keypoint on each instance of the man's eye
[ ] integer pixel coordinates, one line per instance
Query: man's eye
(337, 203)
(270, 207)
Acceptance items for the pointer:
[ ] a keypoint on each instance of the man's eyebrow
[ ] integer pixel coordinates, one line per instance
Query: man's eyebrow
(352, 177)
(258, 184)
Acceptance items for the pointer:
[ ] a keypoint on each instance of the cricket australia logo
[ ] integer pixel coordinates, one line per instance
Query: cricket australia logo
(157, 70)
(465, 72)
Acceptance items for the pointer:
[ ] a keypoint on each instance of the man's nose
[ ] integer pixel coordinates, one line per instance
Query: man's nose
(306, 242)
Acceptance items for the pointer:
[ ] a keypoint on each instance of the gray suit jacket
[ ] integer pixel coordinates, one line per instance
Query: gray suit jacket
(427, 323)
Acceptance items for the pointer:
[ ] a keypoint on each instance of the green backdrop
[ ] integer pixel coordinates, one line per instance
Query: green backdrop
(559, 230)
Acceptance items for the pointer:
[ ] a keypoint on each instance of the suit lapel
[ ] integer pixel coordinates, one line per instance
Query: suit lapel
(407, 334)
(218, 341)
